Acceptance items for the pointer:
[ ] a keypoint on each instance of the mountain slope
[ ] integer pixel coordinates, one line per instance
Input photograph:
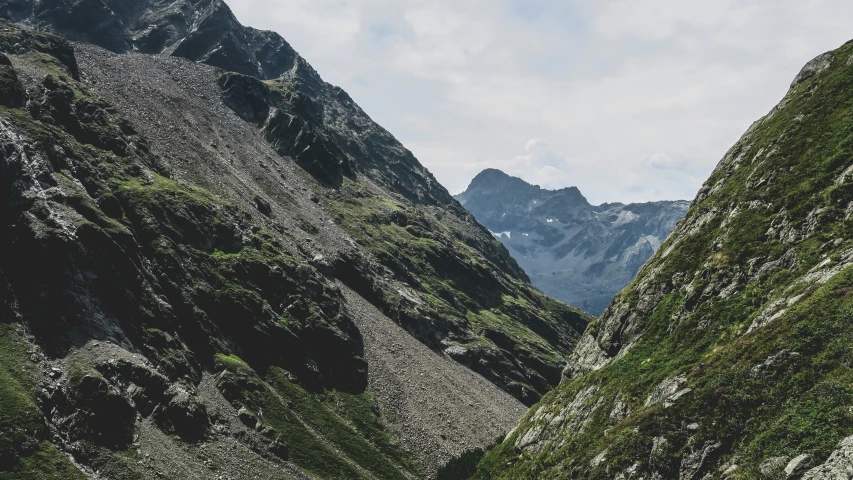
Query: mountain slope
(378, 192)
(197, 237)
(729, 355)
(573, 251)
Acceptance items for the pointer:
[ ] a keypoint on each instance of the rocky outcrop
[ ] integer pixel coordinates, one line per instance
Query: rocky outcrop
(579, 253)
(838, 466)
(200, 30)
(731, 344)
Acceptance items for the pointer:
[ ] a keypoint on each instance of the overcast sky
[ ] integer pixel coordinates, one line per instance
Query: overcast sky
(629, 100)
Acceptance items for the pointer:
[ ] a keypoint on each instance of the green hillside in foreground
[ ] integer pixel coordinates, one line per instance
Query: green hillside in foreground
(731, 354)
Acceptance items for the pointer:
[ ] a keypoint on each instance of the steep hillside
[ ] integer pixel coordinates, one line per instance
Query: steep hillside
(730, 355)
(575, 252)
(408, 246)
(203, 267)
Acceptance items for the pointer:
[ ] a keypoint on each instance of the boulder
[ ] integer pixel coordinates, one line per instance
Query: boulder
(248, 418)
(262, 205)
(815, 66)
(773, 466)
(99, 413)
(183, 414)
(696, 463)
(798, 466)
(279, 448)
(839, 465)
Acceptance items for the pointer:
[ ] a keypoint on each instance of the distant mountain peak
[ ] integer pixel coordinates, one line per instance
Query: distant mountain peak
(497, 185)
(578, 253)
(492, 177)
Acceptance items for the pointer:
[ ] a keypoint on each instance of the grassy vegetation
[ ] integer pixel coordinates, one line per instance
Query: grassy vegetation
(334, 435)
(781, 180)
(24, 451)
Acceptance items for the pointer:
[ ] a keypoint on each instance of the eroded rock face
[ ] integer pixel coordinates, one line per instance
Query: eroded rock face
(668, 392)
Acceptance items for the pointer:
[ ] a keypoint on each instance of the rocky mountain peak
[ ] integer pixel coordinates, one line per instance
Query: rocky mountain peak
(200, 30)
(492, 178)
(574, 251)
(497, 186)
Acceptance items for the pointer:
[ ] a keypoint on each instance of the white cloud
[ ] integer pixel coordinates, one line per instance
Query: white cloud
(635, 100)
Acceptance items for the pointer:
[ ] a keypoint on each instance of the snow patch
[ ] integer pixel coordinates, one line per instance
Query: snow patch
(654, 242)
(625, 216)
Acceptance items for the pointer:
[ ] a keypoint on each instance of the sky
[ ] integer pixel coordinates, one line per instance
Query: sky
(629, 100)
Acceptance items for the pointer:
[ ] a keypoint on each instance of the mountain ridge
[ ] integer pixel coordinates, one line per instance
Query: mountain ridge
(579, 253)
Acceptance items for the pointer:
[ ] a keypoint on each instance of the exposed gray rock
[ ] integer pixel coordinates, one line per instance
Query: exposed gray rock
(773, 311)
(598, 459)
(670, 401)
(620, 411)
(773, 466)
(671, 387)
(574, 417)
(248, 418)
(12, 93)
(814, 67)
(185, 414)
(773, 363)
(659, 445)
(694, 464)
(798, 466)
(729, 470)
(262, 205)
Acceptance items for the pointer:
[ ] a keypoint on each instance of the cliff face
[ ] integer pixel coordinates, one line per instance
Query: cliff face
(575, 252)
(211, 271)
(728, 356)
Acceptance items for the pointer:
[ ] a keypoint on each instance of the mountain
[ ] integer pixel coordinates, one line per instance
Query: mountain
(730, 354)
(573, 251)
(218, 265)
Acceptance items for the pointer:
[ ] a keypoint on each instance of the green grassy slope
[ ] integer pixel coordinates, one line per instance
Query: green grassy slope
(733, 345)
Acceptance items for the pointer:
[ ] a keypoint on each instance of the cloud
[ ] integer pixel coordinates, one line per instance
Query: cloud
(663, 161)
(634, 100)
